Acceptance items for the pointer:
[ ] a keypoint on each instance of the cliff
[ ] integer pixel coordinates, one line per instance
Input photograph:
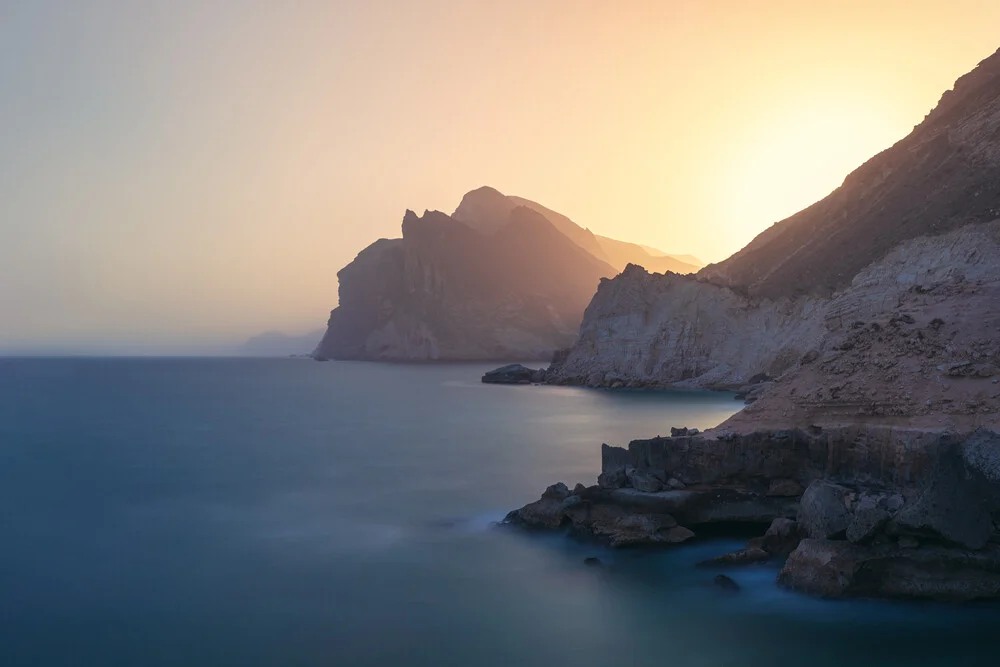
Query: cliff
(908, 234)
(448, 291)
(867, 331)
(503, 278)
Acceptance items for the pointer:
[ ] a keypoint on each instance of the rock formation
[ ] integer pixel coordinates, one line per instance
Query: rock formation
(910, 233)
(866, 332)
(501, 279)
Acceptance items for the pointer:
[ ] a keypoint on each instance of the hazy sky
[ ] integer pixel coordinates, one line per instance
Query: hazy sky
(193, 172)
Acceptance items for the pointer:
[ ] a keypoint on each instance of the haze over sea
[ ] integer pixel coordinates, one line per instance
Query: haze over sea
(283, 512)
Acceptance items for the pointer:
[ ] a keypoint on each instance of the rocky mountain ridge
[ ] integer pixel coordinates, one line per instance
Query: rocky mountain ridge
(501, 279)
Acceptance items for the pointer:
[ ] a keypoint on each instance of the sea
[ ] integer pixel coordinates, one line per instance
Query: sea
(284, 512)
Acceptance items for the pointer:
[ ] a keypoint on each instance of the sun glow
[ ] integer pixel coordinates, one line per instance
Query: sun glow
(796, 159)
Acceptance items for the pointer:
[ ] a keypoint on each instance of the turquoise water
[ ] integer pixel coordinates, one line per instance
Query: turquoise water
(286, 512)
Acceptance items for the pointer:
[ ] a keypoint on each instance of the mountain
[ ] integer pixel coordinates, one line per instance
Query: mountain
(502, 278)
(449, 291)
(878, 303)
(487, 210)
(864, 332)
(278, 344)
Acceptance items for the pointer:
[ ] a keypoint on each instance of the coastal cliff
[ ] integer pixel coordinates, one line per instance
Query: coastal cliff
(865, 331)
(801, 281)
(503, 278)
(448, 291)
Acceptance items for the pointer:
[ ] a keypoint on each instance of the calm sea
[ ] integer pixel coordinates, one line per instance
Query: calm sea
(285, 512)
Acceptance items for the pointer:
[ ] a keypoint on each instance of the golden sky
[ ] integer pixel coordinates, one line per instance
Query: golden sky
(190, 173)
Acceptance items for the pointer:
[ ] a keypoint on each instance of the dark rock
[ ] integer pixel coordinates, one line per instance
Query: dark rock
(675, 484)
(543, 513)
(579, 488)
(707, 505)
(781, 538)
(514, 374)
(821, 567)
(908, 542)
(592, 561)
(638, 529)
(678, 534)
(557, 491)
(612, 479)
(787, 488)
(841, 569)
(955, 505)
(677, 432)
(643, 480)
(893, 503)
(823, 513)
(866, 523)
(726, 583)
(614, 458)
(739, 557)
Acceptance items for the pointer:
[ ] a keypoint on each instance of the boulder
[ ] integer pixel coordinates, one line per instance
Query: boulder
(821, 567)
(643, 480)
(543, 513)
(557, 491)
(840, 569)
(785, 488)
(510, 374)
(955, 505)
(823, 512)
(612, 479)
(676, 484)
(781, 538)
(866, 523)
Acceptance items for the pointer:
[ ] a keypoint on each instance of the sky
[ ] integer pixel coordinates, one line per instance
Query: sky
(178, 176)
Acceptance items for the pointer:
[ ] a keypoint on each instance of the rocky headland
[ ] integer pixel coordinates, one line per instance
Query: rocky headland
(865, 333)
(502, 278)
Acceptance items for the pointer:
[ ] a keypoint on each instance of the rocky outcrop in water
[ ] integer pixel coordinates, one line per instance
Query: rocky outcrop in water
(514, 374)
(867, 329)
(880, 511)
(501, 279)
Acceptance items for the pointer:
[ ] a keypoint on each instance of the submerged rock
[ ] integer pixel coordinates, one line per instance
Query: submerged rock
(726, 583)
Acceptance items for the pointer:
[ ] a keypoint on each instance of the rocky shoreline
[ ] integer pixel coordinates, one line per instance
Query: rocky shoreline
(854, 511)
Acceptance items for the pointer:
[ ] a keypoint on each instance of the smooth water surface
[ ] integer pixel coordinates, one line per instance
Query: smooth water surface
(286, 512)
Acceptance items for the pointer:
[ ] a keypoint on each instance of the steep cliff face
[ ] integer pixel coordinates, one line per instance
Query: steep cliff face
(907, 237)
(448, 291)
(645, 329)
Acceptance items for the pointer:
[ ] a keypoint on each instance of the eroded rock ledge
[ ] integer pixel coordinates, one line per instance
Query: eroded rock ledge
(857, 511)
